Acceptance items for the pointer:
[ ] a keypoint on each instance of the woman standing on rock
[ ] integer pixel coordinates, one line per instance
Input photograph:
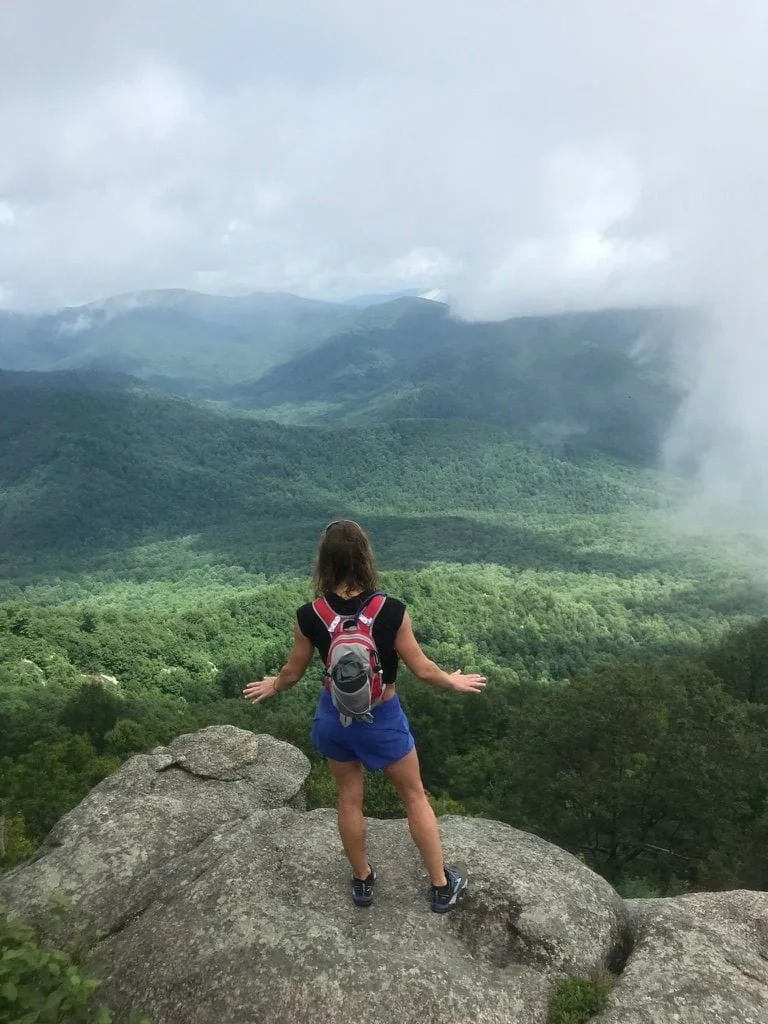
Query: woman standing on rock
(361, 634)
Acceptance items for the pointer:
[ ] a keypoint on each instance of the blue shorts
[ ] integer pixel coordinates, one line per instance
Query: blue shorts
(376, 744)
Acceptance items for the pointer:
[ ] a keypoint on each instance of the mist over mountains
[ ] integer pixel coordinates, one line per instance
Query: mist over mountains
(185, 338)
(167, 414)
(605, 380)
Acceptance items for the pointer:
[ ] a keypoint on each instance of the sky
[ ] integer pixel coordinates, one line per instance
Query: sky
(512, 155)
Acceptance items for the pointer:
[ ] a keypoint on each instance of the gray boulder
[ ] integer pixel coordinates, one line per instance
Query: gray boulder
(210, 895)
(701, 959)
(155, 809)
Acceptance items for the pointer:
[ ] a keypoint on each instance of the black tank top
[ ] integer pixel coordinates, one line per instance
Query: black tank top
(385, 628)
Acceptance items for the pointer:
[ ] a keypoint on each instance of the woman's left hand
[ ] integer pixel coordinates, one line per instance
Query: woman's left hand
(261, 689)
(463, 682)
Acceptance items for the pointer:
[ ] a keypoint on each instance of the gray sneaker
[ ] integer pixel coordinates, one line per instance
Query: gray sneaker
(445, 897)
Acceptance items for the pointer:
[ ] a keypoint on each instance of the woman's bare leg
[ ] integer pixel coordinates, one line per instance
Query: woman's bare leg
(349, 811)
(406, 778)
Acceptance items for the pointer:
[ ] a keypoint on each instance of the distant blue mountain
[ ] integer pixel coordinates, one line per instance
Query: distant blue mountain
(376, 299)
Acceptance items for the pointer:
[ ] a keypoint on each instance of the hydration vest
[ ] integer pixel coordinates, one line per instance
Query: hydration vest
(353, 674)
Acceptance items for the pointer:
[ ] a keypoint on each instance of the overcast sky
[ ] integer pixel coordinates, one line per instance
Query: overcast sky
(517, 154)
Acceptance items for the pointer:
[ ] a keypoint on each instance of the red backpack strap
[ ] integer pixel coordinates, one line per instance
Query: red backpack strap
(326, 614)
(371, 609)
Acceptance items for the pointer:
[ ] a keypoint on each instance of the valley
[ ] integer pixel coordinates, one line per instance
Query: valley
(510, 478)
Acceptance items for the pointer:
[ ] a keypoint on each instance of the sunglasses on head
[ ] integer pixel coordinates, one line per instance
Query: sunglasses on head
(340, 522)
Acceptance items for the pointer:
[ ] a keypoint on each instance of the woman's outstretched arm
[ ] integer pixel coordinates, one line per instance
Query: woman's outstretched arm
(291, 672)
(407, 646)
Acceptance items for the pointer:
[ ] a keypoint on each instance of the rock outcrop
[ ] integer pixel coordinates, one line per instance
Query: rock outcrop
(102, 679)
(212, 896)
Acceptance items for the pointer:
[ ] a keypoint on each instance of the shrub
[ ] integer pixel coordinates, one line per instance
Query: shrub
(576, 1000)
(41, 985)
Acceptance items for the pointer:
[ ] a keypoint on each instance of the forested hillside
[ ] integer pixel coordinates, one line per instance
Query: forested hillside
(84, 471)
(186, 341)
(183, 341)
(600, 381)
(154, 551)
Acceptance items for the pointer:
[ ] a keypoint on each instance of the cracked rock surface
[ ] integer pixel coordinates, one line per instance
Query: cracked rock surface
(699, 959)
(211, 896)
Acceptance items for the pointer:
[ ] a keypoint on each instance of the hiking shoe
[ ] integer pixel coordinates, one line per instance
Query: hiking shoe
(444, 897)
(362, 889)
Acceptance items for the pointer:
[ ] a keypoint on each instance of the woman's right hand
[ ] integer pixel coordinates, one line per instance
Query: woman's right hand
(260, 689)
(462, 683)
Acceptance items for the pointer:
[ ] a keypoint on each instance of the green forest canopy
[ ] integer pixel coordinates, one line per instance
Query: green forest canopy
(154, 553)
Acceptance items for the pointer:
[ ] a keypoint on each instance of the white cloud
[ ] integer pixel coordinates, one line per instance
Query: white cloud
(421, 265)
(535, 147)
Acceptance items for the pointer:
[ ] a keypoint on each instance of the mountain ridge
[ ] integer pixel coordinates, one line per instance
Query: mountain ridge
(606, 380)
(173, 334)
(111, 464)
(603, 380)
(183, 341)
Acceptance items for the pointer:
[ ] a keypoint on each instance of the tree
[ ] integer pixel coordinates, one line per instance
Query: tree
(15, 845)
(93, 711)
(232, 678)
(126, 737)
(651, 765)
(741, 661)
(50, 779)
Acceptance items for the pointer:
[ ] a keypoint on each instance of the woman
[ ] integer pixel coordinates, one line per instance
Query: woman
(346, 577)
